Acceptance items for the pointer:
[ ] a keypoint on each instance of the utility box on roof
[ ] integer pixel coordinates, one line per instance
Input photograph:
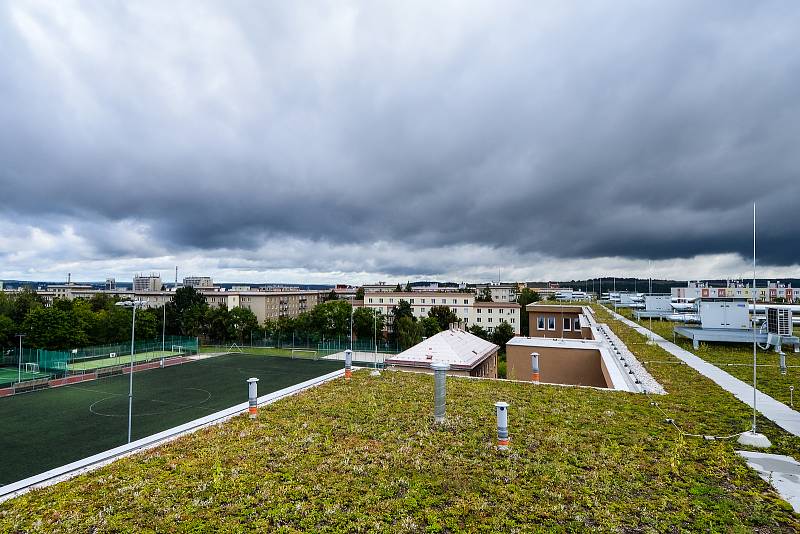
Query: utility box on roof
(729, 314)
(658, 303)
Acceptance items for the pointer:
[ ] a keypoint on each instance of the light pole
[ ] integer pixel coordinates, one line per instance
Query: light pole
(19, 360)
(131, 304)
(163, 327)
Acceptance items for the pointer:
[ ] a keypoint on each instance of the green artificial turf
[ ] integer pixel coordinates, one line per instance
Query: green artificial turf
(366, 456)
(11, 375)
(125, 359)
(45, 429)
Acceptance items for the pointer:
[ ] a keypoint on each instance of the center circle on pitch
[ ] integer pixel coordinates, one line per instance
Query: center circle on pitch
(117, 405)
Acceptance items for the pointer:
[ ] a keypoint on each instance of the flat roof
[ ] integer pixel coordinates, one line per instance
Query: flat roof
(566, 308)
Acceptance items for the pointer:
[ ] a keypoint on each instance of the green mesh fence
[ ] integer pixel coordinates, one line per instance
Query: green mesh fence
(337, 345)
(170, 344)
(38, 364)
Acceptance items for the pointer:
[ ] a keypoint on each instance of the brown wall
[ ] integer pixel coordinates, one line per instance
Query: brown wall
(557, 365)
(533, 318)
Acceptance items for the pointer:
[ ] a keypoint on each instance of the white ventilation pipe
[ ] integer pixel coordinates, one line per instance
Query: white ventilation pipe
(535, 367)
(502, 425)
(782, 356)
(252, 397)
(348, 364)
(439, 390)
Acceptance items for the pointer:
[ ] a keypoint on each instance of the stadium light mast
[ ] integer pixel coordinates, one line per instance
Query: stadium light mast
(164, 328)
(131, 304)
(19, 360)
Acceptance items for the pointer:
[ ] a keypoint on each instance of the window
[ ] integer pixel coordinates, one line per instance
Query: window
(489, 310)
(567, 323)
(466, 311)
(540, 322)
(422, 301)
(412, 301)
(512, 320)
(391, 301)
(478, 319)
(455, 301)
(490, 319)
(577, 324)
(433, 301)
(551, 322)
(422, 310)
(380, 300)
(466, 301)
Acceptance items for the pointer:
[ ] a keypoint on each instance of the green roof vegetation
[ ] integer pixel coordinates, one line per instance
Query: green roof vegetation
(737, 360)
(366, 455)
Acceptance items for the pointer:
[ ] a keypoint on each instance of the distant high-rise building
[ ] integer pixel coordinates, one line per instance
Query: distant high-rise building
(111, 284)
(151, 282)
(198, 282)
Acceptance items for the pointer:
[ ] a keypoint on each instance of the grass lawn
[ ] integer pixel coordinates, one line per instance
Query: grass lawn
(737, 360)
(48, 428)
(366, 456)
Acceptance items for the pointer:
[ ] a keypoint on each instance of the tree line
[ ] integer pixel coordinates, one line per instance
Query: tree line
(76, 323)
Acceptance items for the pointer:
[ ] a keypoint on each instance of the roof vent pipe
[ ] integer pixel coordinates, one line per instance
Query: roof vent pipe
(439, 390)
(535, 367)
(502, 425)
(348, 364)
(252, 397)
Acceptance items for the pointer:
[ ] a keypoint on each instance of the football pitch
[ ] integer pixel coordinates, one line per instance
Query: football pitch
(52, 427)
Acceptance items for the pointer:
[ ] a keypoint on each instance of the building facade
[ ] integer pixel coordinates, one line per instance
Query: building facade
(500, 292)
(198, 282)
(771, 293)
(150, 282)
(485, 314)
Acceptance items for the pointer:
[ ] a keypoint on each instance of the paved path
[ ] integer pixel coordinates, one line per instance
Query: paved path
(783, 472)
(782, 415)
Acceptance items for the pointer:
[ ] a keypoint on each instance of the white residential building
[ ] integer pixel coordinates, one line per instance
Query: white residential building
(486, 314)
(500, 292)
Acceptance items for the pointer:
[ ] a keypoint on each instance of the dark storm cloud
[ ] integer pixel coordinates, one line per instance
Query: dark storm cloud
(639, 130)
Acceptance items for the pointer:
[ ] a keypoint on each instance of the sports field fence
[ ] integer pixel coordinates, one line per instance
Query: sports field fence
(40, 365)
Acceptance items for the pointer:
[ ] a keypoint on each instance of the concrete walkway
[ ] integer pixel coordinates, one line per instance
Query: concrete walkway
(782, 415)
(782, 472)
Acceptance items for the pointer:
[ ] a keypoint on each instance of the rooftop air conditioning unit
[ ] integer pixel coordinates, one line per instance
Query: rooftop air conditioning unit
(779, 321)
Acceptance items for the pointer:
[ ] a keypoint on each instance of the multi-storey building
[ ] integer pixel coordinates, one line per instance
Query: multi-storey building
(198, 282)
(264, 304)
(772, 292)
(500, 292)
(489, 315)
(463, 304)
(151, 282)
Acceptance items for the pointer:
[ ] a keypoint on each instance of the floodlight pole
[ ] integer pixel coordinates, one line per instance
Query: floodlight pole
(352, 308)
(19, 360)
(754, 318)
(130, 381)
(164, 328)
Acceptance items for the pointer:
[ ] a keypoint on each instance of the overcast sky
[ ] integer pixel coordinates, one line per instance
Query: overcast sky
(353, 142)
